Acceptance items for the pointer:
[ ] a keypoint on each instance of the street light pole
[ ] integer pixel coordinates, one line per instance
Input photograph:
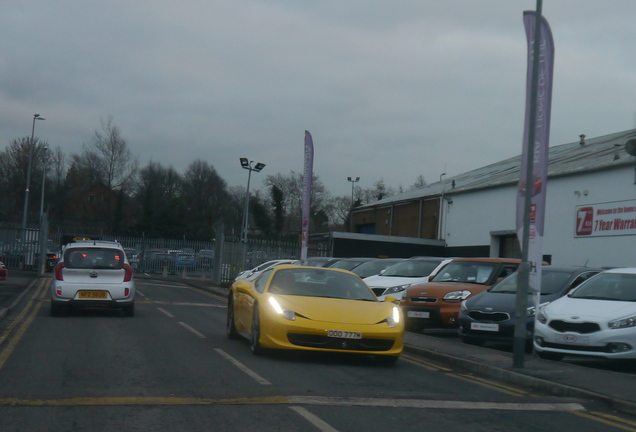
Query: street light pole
(353, 182)
(28, 184)
(247, 164)
(44, 170)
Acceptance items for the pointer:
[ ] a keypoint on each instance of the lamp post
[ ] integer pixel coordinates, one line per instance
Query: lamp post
(247, 164)
(28, 181)
(353, 182)
(44, 170)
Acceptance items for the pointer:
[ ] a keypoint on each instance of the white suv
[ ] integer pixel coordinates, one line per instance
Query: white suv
(93, 273)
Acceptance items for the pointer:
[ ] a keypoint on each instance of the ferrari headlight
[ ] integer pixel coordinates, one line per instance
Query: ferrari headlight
(622, 323)
(457, 296)
(396, 289)
(280, 310)
(394, 319)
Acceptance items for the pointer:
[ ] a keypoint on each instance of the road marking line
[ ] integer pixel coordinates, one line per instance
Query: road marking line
(140, 293)
(614, 418)
(490, 384)
(600, 419)
(182, 303)
(574, 408)
(126, 401)
(166, 312)
(432, 404)
(314, 420)
(425, 364)
(13, 342)
(192, 330)
(242, 367)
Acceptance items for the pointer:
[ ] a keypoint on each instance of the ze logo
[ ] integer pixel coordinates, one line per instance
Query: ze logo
(584, 217)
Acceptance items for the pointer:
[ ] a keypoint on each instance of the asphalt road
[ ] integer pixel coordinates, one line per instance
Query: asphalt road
(171, 368)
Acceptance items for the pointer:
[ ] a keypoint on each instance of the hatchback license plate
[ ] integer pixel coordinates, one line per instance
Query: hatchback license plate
(416, 314)
(92, 295)
(344, 334)
(484, 327)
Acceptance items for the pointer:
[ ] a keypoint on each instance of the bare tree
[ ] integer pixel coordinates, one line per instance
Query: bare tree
(118, 165)
(205, 195)
(14, 162)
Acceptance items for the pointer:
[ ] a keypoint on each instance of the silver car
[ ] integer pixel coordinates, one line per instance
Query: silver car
(93, 273)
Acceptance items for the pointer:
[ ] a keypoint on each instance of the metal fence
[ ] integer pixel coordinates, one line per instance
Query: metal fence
(220, 260)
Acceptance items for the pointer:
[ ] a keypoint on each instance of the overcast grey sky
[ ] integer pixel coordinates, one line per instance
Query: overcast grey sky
(388, 89)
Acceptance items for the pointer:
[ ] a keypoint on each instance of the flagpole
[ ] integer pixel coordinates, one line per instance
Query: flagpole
(521, 306)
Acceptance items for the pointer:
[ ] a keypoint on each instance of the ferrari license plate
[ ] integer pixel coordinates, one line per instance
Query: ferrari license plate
(417, 314)
(344, 334)
(92, 295)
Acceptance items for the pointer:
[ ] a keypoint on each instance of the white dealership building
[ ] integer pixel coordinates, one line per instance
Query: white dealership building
(590, 216)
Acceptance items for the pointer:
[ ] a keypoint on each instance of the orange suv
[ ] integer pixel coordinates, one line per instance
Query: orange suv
(436, 303)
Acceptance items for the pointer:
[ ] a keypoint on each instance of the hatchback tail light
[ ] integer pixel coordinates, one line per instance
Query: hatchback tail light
(58, 271)
(129, 273)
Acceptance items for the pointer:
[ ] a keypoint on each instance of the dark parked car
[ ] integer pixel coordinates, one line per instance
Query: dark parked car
(375, 267)
(490, 315)
(348, 263)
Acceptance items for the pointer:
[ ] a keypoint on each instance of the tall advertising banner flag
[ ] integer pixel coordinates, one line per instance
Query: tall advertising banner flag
(307, 180)
(534, 158)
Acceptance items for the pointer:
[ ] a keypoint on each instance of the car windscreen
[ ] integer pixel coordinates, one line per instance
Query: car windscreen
(608, 286)
(374, 267)
(466, 271)
(551, 282)
(316, 282)
(94, 258)
(412, 268)
(345, 264)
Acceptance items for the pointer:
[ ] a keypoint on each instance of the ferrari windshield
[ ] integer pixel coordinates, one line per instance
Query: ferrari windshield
(317, 282)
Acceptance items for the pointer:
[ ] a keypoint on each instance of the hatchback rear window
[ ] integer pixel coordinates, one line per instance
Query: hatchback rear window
(94, 258)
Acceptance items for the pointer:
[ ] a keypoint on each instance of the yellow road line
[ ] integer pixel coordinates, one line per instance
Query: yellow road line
(614, 418)
(6, 352)
(490, 384)
(425, 364)
(497, 385)
(126, 401)
(608, 420)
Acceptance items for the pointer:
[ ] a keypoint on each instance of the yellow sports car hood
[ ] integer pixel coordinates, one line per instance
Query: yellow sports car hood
(337, 310)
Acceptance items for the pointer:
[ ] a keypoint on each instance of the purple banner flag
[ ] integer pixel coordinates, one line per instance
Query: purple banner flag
(534, 158)
(307, 180)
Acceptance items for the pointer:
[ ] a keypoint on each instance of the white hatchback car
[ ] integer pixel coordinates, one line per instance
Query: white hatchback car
(93, 273)
(396, 279)
(597, 319)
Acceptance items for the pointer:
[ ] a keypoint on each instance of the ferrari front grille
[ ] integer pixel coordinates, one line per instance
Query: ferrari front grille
(324, 342)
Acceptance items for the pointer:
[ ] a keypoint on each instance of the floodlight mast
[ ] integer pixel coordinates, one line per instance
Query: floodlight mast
(247, 164)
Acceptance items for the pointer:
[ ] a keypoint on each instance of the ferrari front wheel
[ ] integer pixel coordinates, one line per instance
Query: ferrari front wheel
(255, 335)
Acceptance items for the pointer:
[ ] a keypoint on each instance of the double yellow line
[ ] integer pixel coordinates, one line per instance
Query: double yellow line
(14, 332)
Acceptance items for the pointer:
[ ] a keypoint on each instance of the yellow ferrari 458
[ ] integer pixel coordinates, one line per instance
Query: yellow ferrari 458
(316, 309)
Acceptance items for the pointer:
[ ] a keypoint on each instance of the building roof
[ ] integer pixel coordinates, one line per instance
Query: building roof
(586, 155)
